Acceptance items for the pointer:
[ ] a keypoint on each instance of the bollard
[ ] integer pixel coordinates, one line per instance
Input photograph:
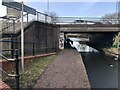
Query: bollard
(17, 69)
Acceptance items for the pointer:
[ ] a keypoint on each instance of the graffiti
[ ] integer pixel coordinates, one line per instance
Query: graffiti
(116, 41)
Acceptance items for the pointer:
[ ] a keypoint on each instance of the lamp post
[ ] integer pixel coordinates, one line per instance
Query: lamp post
(22, 38)
(48, 7)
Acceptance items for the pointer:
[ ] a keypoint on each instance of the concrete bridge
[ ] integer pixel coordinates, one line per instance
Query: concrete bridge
(100, 35)
(78, 28)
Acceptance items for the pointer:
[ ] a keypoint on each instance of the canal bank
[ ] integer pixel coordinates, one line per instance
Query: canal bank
(112, 53)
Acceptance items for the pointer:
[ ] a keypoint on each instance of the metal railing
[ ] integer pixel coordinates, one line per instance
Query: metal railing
(16, 75)
(10, 25)
(9, 21)
(13, 25)
(31, 48)
(87, 20)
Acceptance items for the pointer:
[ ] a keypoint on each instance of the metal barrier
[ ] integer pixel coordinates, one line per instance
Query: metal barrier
(16, 60)
(13, 25)
(31, 48)
(86, 20)
(10, 25)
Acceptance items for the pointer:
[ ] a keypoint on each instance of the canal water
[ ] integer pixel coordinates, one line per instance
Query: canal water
(102, 70)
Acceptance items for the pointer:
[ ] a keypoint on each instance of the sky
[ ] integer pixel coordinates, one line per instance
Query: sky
(88, 9)
(72, 8)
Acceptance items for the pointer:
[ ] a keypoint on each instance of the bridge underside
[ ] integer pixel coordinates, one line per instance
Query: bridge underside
(97, 40)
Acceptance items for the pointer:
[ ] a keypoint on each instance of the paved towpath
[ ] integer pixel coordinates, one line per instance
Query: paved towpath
(67, 71)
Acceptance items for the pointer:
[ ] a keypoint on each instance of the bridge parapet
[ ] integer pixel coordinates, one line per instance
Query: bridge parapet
(87, 25)
(87, 20)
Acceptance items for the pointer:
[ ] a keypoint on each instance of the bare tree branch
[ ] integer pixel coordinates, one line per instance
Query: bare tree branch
(53, 15)
(110, 19)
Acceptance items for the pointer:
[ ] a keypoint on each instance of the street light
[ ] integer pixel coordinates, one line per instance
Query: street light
(22, 37)
(48, 6)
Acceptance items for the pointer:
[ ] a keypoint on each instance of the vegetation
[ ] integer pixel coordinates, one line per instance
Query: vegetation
(53, 15)
(111, 18)
(115, 47)
(31, 73)
(116, 41)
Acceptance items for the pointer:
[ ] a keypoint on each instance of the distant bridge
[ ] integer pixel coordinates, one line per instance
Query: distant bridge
(88, 24)
(78, 28)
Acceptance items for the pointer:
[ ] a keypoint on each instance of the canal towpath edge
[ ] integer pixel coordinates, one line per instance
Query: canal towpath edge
(66, 71)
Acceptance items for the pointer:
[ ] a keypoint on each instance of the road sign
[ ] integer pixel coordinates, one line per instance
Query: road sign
(61, 41)
(18, 6)
(13, 12)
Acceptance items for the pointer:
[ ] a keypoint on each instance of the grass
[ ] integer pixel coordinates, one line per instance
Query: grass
(32, 72)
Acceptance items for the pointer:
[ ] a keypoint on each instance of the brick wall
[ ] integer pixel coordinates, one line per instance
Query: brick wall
(4, 86)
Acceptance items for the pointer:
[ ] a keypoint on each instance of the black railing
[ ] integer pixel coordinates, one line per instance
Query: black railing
(30, 48)
(16, 75)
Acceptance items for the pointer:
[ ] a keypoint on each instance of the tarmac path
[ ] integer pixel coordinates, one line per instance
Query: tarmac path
(66, 71)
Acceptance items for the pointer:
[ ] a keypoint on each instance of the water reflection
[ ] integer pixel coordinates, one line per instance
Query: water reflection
(102, 70)
(81, 47)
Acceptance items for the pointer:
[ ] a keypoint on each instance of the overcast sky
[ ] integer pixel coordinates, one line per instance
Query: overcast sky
(88, 8)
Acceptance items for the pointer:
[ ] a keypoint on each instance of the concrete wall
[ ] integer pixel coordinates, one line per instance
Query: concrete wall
(42, 34)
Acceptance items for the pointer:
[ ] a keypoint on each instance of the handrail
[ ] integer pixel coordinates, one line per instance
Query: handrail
(13, 20)
(13, 26)
(6, 58)
(87, 19)
(16, 75)
(10, 75)
(43, 14)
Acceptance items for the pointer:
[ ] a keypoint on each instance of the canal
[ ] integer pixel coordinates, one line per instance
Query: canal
(102, 70)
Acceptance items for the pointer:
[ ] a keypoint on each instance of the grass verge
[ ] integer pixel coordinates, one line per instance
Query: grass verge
(31, 73)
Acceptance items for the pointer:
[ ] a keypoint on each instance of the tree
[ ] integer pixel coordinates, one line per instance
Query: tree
(53, 15)
(110, 18)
